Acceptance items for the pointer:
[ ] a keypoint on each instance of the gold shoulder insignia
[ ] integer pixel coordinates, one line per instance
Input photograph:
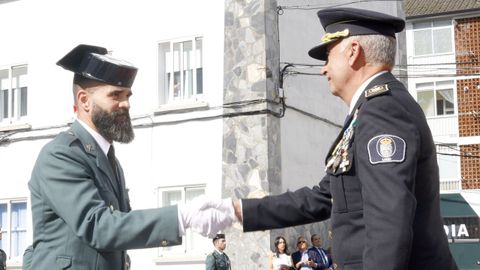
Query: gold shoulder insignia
(376, 91)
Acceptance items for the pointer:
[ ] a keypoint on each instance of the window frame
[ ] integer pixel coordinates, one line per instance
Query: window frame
(167, 96)
(8, 230)
(431, 28)
(17, 95)
(437, 86)
(184, 248)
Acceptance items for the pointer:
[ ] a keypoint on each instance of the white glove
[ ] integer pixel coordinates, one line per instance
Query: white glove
(206, 216)
(210, 221)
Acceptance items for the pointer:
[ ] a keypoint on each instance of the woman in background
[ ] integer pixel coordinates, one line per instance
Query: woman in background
(280, 259)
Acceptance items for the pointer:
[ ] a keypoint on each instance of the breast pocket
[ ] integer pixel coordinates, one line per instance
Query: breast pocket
(64, 262)
(339, 202)
(346, 189)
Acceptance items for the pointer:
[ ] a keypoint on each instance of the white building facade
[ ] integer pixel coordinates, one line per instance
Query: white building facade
(441, 73)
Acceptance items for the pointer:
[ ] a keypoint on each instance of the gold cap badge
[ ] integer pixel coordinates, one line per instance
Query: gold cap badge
(331, 36)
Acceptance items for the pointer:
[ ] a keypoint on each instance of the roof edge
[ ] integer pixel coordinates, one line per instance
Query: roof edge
(467, 11)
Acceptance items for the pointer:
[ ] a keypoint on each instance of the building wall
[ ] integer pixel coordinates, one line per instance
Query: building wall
(470, 162)
(251, 160)
(432, 68)
(467, 43)
(468, 109)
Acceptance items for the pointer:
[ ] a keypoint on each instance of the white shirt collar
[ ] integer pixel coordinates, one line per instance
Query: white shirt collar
(360, 90)
(104, 144)
(218, 251)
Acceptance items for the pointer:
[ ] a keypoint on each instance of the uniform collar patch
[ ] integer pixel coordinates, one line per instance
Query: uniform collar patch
(376, 91)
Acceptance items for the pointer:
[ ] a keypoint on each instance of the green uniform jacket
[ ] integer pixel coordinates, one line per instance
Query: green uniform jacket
(3, 260)
(217, 261)
(80, 218)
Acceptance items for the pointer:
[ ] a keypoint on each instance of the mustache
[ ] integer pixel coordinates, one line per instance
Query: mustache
(121, 112)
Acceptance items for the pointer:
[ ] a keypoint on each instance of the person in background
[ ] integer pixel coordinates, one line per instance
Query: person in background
(381, 187)
(218, 260)
(280, 259)
(301, 259)
(81, 214)
(3, 255)
(319, 255)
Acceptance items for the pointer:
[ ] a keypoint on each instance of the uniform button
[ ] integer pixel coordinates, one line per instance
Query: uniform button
(111, 207)
(335, 266)
(164, 243)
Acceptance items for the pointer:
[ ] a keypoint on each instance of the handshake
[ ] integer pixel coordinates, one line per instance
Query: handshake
(206, 216)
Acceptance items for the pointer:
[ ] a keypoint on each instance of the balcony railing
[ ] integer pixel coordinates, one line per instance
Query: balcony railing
(450, 185)
(443, 126)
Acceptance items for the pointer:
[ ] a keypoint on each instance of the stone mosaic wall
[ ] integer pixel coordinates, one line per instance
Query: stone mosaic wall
(251, 155)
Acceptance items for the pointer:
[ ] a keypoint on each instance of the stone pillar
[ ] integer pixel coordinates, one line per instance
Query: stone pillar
(251, 133)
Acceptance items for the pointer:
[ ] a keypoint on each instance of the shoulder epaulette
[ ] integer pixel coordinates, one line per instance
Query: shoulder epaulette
(67, 137)
(377, 90)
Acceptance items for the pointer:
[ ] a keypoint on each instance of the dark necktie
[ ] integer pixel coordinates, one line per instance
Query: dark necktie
(113, 164)
(324, 257)
(225, 259)
(346, 120)
(111, 159)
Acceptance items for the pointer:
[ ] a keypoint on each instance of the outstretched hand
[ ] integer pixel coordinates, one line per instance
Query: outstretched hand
(206, 216)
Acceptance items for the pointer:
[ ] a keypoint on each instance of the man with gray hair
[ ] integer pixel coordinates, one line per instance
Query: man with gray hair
(381, 187)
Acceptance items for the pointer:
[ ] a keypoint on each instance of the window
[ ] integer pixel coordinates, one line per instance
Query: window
(13, 94)
(13, 219)
(436, 98)
(448, 158)
(433, 37)
(180, 70)
(192, 242)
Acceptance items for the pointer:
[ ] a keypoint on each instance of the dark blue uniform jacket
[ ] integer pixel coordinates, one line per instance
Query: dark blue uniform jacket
(381, 189)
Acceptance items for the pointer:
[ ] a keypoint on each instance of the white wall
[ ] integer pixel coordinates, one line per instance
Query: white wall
(305, 140)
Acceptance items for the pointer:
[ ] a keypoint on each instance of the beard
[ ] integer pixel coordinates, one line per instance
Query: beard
(113, 126)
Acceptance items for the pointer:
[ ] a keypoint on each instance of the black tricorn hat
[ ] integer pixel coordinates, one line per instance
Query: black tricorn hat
(218, 236)
(344, 22)
(92, 62)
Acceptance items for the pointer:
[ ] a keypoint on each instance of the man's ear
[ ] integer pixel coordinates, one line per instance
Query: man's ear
(83, 99)
(355, 51)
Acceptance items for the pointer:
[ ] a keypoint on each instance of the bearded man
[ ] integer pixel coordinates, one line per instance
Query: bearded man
(81, 213)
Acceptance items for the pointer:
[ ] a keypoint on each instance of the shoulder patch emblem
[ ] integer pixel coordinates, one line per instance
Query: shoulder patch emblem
(386, 148)
(376, 91)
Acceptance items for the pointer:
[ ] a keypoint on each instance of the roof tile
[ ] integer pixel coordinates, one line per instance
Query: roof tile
(414, 8)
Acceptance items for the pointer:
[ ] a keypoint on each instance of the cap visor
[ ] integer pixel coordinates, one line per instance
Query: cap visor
(320, 52)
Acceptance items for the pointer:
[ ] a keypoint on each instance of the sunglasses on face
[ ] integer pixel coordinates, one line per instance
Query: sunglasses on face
(301, 242)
